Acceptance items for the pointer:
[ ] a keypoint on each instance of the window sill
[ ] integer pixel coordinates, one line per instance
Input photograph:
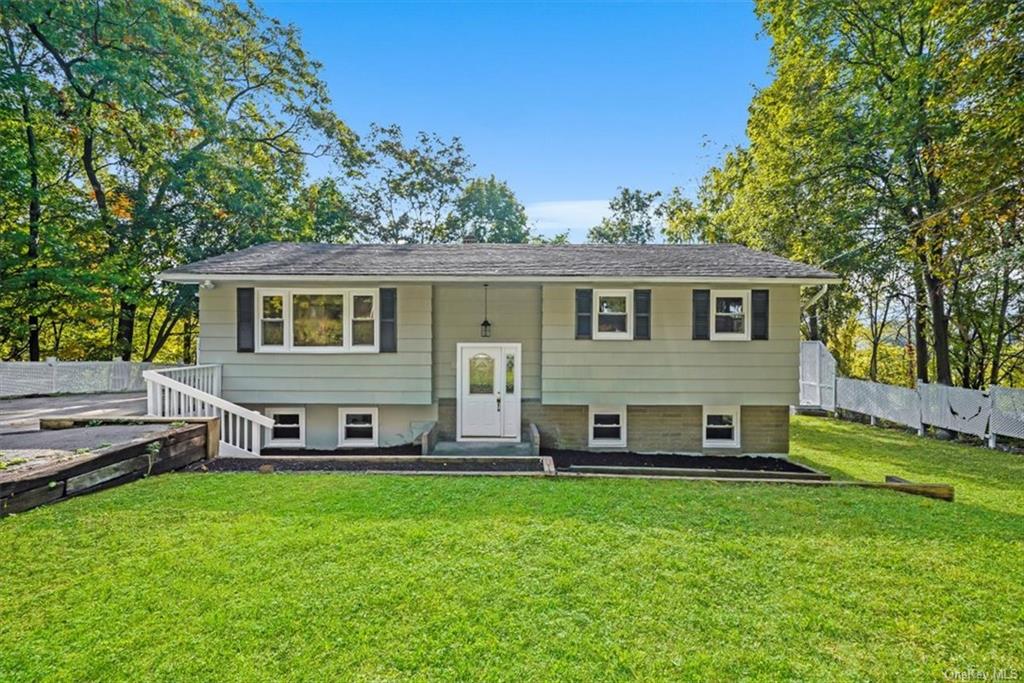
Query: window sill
(615, 337)
(721, 444)
(729, 337)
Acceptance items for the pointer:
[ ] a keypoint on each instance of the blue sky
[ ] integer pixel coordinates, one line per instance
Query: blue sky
(566, 101)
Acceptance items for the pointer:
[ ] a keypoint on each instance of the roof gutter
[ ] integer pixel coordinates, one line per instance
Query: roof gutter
(197, 278)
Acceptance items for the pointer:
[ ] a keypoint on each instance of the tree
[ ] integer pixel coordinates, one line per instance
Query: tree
(408, 193)
(489, 212)
(634, 219)
(191, 123)
(887, 149)
(561, 238)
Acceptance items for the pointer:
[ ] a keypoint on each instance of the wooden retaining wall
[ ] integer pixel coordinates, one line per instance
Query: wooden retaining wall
(177, 447)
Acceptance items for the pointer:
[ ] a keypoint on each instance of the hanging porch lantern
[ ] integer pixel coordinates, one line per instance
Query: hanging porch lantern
(485, 326)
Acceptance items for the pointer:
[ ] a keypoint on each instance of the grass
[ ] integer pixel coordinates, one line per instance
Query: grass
(339, 577)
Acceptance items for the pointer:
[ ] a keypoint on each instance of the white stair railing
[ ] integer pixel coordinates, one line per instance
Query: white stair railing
(189, 392)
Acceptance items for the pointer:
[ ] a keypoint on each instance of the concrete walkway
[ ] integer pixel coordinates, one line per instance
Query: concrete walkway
(21, 414)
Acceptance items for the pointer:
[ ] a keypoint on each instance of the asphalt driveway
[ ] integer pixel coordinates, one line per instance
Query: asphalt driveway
(21, 414)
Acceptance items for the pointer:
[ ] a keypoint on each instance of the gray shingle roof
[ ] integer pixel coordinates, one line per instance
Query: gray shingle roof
(452, 261)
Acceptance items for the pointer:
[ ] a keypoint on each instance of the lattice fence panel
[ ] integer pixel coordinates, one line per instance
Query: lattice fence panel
(1007, 412)
(50, 377)
(895, 404)
(955, 408)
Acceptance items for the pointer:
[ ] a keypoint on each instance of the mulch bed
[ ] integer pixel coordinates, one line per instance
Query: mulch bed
(565, 459)
(405, 449)
(357, 464)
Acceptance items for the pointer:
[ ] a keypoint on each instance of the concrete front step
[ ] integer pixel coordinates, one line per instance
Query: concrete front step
(482, 448)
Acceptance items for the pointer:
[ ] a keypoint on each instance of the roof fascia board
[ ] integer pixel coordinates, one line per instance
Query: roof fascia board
(196, 278)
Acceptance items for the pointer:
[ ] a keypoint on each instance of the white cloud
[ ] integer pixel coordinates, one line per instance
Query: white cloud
(575, 215)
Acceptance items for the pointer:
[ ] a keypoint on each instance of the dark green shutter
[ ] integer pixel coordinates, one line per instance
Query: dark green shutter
(759, 313)
(641, 314)
(584, 313)
(702, 314)
(245, 319)
(388, 320)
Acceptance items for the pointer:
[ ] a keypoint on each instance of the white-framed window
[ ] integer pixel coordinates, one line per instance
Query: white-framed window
(270, 307)
(357, 427)
(607, 427)
(318, 320)
(613, 314)
(730, 314)
(289, 426)
(721, 426)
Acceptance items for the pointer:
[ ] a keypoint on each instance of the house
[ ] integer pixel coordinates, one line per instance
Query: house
(653, 348)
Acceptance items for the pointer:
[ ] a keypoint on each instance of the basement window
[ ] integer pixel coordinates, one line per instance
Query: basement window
(721, 426)
(289, 428)
(607, 427)
(357, 427)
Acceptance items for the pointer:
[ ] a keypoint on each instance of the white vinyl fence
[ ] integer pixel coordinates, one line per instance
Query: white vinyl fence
(817, 376)
(985, 414)
(56, 377)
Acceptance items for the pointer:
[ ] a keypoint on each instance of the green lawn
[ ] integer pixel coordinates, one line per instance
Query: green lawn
(342, 577)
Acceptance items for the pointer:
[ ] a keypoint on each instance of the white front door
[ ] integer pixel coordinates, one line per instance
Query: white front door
(489, 393)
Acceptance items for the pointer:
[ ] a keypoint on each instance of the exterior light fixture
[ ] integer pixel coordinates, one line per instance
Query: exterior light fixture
(485, 326)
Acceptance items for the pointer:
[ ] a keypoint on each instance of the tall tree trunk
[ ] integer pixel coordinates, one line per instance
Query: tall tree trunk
(997, 351)
(812, 324)
(125, 337)
(920, 330)
(35, 214)
(35, 209)
(940, 329)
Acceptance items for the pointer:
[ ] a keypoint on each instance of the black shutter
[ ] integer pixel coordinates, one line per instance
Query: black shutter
(584, 313)
(702, 314)
(759, 313)
(641, 314)
(388, 320)
(245, 319)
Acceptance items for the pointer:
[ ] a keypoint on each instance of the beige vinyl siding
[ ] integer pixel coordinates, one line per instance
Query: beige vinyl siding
(515, 315)
(335, 378)
(671, 367)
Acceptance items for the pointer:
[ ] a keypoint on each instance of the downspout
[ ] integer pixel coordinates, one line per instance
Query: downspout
(816, 297)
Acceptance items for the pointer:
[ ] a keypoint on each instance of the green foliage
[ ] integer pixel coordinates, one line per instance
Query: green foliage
(163, 131)
(634, 220)
(408, 193)
(887, 149)
(489, 212)
(448, 578)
